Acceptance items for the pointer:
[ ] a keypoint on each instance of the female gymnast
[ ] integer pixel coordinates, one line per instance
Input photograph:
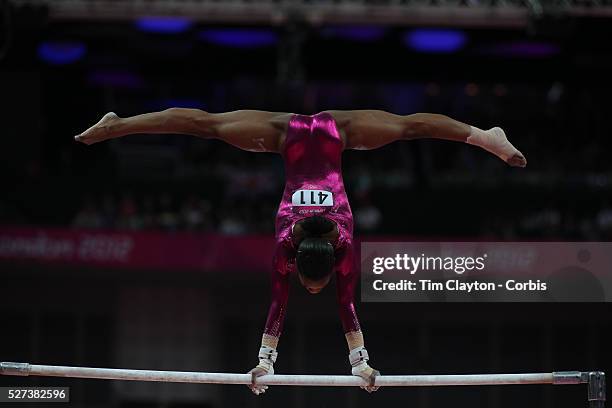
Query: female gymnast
(314, 223)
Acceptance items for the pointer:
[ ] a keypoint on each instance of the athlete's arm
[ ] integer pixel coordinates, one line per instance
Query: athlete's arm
(252, 130)
(371, 129)
(346, 280)
(279, 280)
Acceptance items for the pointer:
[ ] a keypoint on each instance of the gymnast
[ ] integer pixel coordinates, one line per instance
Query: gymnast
(314, 223)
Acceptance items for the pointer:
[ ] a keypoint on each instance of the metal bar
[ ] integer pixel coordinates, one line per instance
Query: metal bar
(569, 377)
(25, 369)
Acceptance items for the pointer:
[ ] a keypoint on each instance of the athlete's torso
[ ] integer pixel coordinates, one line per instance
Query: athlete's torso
(312, 152)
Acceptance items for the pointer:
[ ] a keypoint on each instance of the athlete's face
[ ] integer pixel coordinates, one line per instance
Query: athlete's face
(314, 287)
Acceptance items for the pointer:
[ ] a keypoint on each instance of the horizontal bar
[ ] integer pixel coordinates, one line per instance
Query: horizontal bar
(24, 369)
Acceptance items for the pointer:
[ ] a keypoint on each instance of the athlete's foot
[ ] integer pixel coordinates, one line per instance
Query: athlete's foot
(518, 160)
(502, 147)
(100, 131)
(495, 141)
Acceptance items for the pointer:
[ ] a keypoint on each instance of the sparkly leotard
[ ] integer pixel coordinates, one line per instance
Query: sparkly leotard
(312, 154)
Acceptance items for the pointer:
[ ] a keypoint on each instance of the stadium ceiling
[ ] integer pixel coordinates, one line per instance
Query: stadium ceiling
(457, 13)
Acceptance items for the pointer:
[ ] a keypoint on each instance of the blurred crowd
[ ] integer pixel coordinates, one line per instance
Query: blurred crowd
(192, 213)
(166, 213)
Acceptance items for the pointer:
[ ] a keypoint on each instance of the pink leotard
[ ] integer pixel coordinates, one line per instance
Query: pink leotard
(312, 154)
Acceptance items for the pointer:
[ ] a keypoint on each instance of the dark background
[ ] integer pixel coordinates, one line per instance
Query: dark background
(546, 82)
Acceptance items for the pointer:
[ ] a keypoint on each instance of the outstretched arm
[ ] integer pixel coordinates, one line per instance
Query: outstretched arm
(257, 131)
(346, 280)
(371, 129)
(276, 315)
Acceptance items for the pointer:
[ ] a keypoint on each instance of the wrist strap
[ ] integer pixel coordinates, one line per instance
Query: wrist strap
(358, 355)
(267, 353)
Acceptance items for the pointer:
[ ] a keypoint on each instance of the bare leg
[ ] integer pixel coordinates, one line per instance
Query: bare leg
(427, 125)
(435, 126)
(174, 120)
(251, 130)
(371, 129)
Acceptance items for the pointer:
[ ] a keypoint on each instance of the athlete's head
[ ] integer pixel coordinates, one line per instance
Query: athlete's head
(315, 253)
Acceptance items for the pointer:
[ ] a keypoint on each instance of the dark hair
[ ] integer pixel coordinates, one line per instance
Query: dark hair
(315, 258)
(315, 255)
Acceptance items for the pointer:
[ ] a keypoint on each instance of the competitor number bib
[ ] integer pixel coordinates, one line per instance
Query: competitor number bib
(312, 198)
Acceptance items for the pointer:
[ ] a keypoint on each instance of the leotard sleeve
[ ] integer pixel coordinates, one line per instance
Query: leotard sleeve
(346, 279)
(282, 265)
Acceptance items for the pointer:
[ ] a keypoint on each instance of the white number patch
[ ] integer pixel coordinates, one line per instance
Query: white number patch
(312, 197)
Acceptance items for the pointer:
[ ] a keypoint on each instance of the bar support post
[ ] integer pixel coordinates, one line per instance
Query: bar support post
(597, 389)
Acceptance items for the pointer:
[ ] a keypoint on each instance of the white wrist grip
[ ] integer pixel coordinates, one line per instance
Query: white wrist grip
(268, 353)
(358, 356)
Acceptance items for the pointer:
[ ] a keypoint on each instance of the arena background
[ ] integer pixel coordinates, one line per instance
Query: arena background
(151, 251)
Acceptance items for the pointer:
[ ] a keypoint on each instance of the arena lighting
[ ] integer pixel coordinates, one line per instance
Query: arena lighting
(355, 33)
(164, 25)
(239, 37)
(61, 52)
(430, 40)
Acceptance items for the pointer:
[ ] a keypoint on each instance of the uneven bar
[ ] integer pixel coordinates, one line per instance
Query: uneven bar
(24, 369)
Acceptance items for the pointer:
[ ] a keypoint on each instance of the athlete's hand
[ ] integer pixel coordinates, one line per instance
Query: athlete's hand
(368, 374)
(258, 372)
(267, 358)
(100, 131)
(358, 357)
